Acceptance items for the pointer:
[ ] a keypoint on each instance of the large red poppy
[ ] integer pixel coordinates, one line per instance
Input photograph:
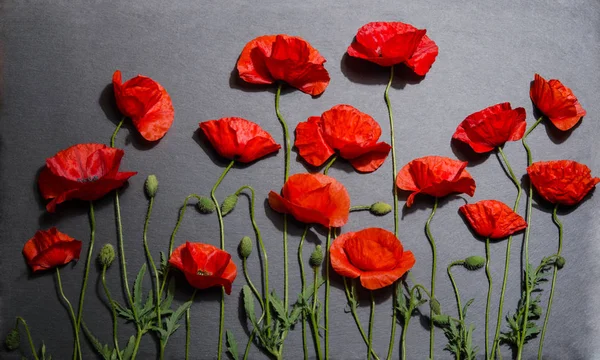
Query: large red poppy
(557, 102)
(147, 103)
(436, 176)
(313, 198)
(204, 265)
(374, 255)
(391, 43)
(563, 182)
(493, 219)
(50, 248)
(491, 127)
(271, 58)
(239, 139)
(345, 129)
(83, 171)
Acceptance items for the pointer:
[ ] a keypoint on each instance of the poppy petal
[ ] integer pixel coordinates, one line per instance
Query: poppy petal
(310, 143)
(372, 159)
(557, 102)
(251, 64)
(423, 57)
(50, 248)
(493, 219)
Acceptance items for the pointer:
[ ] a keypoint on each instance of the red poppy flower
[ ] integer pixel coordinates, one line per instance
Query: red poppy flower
(84, 172)
(50, 248)
(391, 43)
(557, 102)
(374, 255)
(562, 182)
(436, 176)
(147, 104)
(491, 127)
(204, 265)
(270, 58)
(313, 198)
(239, 139)
(493, 219)
(345, 129)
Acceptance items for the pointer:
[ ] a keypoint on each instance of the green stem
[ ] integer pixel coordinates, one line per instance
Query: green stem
(72, 314)
(114, 135)
(247, 351)
(33, 351)
(113, 311)
(151, 260)
(526, 242)
(222, 238)
(187, 327)
(303, 281)
(313, 315)
(253, 288)
(392, 141)
(407, 318)
(489, 296)
(326, 169)
(352, 303)
(138, 338)
(371, 318)
(433, 272)
(360, 208)
(87, 268)
(456, 293)
(122, 254)
(327, 294)
(403, 339)
(515, 180)
(555, 272)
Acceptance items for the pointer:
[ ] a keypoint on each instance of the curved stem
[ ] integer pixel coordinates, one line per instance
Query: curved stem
(352, 302)
(252, 287)
(113, 311)
(326, 169)
(555, 272)
(87, 266)
(122, 253)
(247, 351)
(313, 315)
(138, 338)
(526, 242)
(303, 281)
(371, 318)
(433, 272)
(327, 294)
(114, 135)
(393, 145)
(187, 327)
(72, 314)
(31, 345)
(456, 293)
(515, 180)
(151, 260)
(222, 238)
(489, 296)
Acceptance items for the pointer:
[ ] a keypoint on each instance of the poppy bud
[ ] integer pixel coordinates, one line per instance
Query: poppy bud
(151, 185)
(13, 340)
(436, 307)
(205, 205)
(316, 258)
(107, 255)
(229, 204)
(245, 247)
(441, 320)
(380, 208)
(474, 262)
(560, 262)
(536, 310)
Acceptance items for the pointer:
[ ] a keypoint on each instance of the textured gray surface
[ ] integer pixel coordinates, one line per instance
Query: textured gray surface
(58, 58)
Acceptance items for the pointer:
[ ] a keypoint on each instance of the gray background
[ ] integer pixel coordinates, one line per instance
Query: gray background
(58, 58)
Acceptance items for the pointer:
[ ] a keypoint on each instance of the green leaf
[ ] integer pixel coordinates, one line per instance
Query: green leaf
(295, 314)
(103, 350)
(128, 351)
(232, 345)
(249, 304)
(277, 305)
(137, 287)
(173, 320)
(166, 303)
(467, 306)
(123, 312)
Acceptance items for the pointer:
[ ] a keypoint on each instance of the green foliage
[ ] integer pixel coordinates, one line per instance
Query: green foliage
(458, 334)
(108, 352)
(232, 347)
(13, 340)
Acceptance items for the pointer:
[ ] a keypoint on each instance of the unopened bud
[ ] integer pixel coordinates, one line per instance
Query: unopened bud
(229, 204)
(560, 262)
(13, 340)
(474, 262)
(245, 247)
(151, 185)
(380, 208)
(205, 205)
(107, 255)
(316, 258)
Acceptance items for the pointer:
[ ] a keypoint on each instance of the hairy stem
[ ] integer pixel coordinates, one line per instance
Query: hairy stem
(433, 273)
(113, 311)
(151, 260)
(489, 297)
(31, 345)
(87, 269)
(326, 169)
(371, 318)
(114, 134)
(303, 280)
(327, 293)
(352, 302)
(77, 345)
(313, 317)
(187, 327)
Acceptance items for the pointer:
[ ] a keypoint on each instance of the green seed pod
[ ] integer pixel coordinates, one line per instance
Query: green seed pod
(316, 258)
(205, 205)
(229, 204)
(436, 307)
(380, 208)
(245, 247)
(13, 340)
(474, 262)
(536, 310)
(560, 262)
(107, 255)
(151, 185)
(441, 320)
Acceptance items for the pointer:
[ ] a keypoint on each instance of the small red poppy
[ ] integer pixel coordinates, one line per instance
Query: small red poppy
(50, 248)
(313, 198)
(493, 219)
(436, 176)
(557, 102)
(563, 182)
(271, 58)
(345, 129)
(147, 103)
(204, 265)
(239, 139)
(374, 255)
(84, 172)
(391, 43)
(491, 127)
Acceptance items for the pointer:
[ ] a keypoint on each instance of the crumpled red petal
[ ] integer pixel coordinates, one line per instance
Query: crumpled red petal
(564, 182)
(50, 248)
(491, 127)
(310, 143)
(557, 102)
(493, 219)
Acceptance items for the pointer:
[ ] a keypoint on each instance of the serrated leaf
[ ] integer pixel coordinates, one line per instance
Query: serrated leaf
(137, 287)
(249, 304)
(277, 305)
(123, 312)
(466, 307)
(173, 320)
(166, 303)
(128, 351)
(232, 345)
(103, 350)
